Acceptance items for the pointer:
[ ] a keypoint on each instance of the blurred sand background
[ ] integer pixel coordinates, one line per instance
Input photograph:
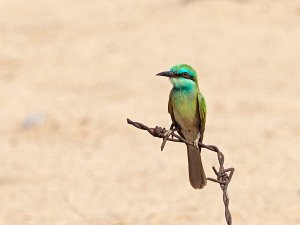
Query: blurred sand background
(71, 72)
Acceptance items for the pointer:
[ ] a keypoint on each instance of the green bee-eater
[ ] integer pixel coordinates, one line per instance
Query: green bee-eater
(188, 112)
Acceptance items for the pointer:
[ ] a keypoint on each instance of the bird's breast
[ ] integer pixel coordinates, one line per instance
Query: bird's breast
(185, 112)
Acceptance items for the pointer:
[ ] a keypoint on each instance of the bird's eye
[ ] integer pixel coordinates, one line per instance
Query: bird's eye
(185, 74)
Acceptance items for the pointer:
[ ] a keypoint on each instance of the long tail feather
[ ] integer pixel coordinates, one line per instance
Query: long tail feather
(196, 171)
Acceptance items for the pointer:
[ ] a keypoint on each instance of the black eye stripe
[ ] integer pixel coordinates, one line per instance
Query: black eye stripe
(186, 76)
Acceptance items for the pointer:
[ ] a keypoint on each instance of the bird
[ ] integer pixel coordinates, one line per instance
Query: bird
(187, 108)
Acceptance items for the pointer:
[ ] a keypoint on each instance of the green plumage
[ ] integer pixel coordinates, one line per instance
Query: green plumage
(187, 108)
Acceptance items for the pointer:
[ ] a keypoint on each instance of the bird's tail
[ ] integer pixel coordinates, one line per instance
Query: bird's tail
(196, 171)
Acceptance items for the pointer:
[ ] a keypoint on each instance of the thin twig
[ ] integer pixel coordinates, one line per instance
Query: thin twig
(223, 175)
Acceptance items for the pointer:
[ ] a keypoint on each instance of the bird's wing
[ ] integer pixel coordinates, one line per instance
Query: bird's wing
(170, 110)
(202, 113)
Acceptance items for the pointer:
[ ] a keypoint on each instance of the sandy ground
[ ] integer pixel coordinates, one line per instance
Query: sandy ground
(71, 72)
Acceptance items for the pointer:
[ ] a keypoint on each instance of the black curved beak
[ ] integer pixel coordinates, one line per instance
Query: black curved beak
(166, 74)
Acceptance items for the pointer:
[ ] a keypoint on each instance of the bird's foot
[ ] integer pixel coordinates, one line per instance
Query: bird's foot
(174, 128)
(196, 142)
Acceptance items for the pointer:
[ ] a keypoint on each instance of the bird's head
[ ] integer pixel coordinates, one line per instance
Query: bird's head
(182, 76)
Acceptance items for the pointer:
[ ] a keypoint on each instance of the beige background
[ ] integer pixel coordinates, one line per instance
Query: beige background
(71, 72)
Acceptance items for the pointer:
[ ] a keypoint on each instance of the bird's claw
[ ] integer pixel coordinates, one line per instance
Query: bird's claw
(196, 145)
(196, 142)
